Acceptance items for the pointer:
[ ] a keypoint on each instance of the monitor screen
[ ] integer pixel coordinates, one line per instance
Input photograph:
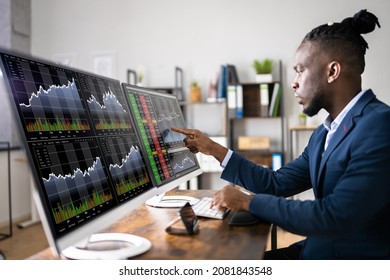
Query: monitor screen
(89, 165)
(155, 113)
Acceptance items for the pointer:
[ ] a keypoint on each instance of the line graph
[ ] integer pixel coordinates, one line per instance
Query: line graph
(126, 164)
(47, 97)
(110, 115)
(168, 115)
(57, 108)
(182, 161)
(86, 200)
(74, 178)
(106, 102)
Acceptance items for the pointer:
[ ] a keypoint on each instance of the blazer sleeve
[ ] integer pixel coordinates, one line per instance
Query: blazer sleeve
(292, 179)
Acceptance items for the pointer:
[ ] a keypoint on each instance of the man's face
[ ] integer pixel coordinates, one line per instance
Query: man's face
(311, 78)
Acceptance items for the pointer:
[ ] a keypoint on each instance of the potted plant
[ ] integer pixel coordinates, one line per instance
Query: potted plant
(195, 92)
(263, 70)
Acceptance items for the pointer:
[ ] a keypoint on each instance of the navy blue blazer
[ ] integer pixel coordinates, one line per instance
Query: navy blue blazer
(350, 215)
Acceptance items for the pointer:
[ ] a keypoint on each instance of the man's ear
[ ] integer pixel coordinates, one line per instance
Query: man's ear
(334, 69)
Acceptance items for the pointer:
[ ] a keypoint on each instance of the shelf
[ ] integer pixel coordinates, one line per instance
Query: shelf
(256, 118)
(259, 120)
(302, 127)
(260, 157)
(252, 100)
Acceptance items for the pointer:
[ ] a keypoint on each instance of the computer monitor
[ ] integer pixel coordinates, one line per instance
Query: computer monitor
(155, 113)
(89, 166)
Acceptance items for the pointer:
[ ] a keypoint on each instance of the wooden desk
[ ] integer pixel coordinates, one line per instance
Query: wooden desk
(215, 240)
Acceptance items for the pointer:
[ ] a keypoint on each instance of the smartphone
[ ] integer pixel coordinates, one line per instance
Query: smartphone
(186, 223)
(190, 220)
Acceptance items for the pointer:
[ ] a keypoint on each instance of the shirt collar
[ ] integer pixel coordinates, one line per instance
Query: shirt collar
(330, 124)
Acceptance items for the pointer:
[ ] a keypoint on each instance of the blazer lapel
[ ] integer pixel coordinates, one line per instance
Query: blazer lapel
(344, 128)
(342, 131)
(317, 156)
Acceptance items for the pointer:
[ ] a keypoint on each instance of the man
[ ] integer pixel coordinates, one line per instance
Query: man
(346, 162)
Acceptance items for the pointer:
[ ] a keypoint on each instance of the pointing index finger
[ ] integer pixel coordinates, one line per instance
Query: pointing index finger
(182, 130)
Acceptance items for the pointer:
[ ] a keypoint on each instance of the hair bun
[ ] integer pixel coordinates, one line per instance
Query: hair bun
(363, 22)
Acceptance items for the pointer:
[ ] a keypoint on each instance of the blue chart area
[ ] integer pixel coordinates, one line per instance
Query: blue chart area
(110, 114)
(57, 108)
(47, 96)
(71, 181)
(74, 178)
(126, 164)
(106, 102)
(182, 161)
(168, 115)
(131, 164)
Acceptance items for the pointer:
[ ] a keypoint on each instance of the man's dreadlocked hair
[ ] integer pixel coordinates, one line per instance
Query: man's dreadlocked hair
(344, 40)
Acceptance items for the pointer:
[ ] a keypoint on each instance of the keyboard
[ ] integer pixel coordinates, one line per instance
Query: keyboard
(202, 209)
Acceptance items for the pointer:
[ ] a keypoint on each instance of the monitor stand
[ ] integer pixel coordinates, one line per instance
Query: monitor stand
(170, 201)
(106, 246)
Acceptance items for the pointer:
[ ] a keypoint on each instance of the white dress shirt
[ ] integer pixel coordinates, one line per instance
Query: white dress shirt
(331, 126)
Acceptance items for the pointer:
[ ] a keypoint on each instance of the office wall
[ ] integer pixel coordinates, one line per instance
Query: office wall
(199, 36)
